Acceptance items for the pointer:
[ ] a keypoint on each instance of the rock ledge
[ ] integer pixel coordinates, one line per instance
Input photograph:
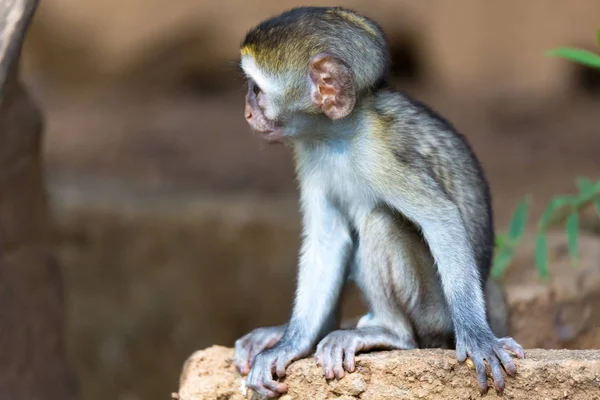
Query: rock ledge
(416, 374)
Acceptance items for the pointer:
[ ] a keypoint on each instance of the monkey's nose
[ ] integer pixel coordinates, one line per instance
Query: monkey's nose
(248, 112)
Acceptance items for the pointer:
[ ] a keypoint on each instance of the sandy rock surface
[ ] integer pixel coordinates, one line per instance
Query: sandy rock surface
(416, 374)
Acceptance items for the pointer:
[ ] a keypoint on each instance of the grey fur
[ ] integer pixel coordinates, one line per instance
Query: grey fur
(393, 197)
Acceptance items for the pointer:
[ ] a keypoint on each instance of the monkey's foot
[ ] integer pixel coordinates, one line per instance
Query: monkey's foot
(336, 352)
(275, 360)
(248, 346)
(496, 352)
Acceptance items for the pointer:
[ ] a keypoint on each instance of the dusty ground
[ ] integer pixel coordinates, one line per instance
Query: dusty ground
(415, 374)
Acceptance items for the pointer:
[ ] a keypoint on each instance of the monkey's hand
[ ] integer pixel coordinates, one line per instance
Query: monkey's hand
(275, 359)
(248, 346)
(494, 351)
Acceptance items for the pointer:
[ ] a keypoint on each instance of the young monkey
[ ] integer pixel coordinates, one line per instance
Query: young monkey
(391, 195)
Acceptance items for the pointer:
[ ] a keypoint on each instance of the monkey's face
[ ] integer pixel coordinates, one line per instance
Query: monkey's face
(297, 102)
(263, 102)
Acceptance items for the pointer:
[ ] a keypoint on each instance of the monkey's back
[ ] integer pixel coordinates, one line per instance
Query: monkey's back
(423, 142)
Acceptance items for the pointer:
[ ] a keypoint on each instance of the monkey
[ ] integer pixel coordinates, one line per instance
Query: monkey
(392, 197)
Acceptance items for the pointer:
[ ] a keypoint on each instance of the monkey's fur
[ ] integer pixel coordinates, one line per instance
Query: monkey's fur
(392, 197)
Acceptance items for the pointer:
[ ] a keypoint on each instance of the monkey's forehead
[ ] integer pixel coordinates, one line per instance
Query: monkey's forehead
(291, 38)
(261, 77)
(276, 60)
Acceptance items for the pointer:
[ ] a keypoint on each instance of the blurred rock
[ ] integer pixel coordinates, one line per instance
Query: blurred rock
(416, 374)
(563, 312)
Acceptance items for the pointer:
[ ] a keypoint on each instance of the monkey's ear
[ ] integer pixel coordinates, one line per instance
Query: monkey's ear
(332, 86)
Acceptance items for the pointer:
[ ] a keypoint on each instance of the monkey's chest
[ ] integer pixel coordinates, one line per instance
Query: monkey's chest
(347, 188)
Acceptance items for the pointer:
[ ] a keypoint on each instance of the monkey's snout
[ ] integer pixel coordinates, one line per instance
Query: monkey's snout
(248, 113)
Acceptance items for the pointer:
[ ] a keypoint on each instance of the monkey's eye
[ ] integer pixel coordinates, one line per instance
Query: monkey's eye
(255, 88)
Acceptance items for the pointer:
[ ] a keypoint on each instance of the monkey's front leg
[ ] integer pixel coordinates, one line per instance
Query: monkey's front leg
(448, 240)
(321, 275)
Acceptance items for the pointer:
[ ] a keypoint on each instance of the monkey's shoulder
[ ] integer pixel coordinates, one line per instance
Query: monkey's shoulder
(400, 113)
(414, 131)
(419, 142)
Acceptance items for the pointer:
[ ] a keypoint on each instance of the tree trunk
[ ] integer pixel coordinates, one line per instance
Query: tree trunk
(33, 362)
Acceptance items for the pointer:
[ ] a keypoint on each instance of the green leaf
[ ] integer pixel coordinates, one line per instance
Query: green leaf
(555, 204)
(501, 261)
(541, 255)
(597, 206)
(585, 185)
(516, 228)
(501, 240)
(577, 55)
(572, 230)
(598, 38)
(587, 188)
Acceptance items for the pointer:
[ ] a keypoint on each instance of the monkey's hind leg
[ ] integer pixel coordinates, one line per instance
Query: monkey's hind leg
(336, 352)
(386, 268)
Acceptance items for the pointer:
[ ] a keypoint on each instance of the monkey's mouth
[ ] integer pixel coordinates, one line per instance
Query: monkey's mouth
(264, 127)
(271, 135)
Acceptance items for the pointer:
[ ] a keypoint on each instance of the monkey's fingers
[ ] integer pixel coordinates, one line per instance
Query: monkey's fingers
(349, 356)
(261, 379)
(270, 389)
(511, 345)
(507, 362)
(281, 365)
(326, 356)
(266, 393)
(496, 374)
(461, 353)
(275, 386)
(337, 358)
(242, 358)
(481, 373)
(330, 355)
(262, 383)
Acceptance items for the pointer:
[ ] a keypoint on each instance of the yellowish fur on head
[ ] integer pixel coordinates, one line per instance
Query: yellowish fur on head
(356, 19)
(247, 51)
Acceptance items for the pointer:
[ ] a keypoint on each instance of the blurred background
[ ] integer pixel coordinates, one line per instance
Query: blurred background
(178, 229)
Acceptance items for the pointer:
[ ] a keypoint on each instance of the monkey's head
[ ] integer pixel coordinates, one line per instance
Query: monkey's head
(307, 67)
